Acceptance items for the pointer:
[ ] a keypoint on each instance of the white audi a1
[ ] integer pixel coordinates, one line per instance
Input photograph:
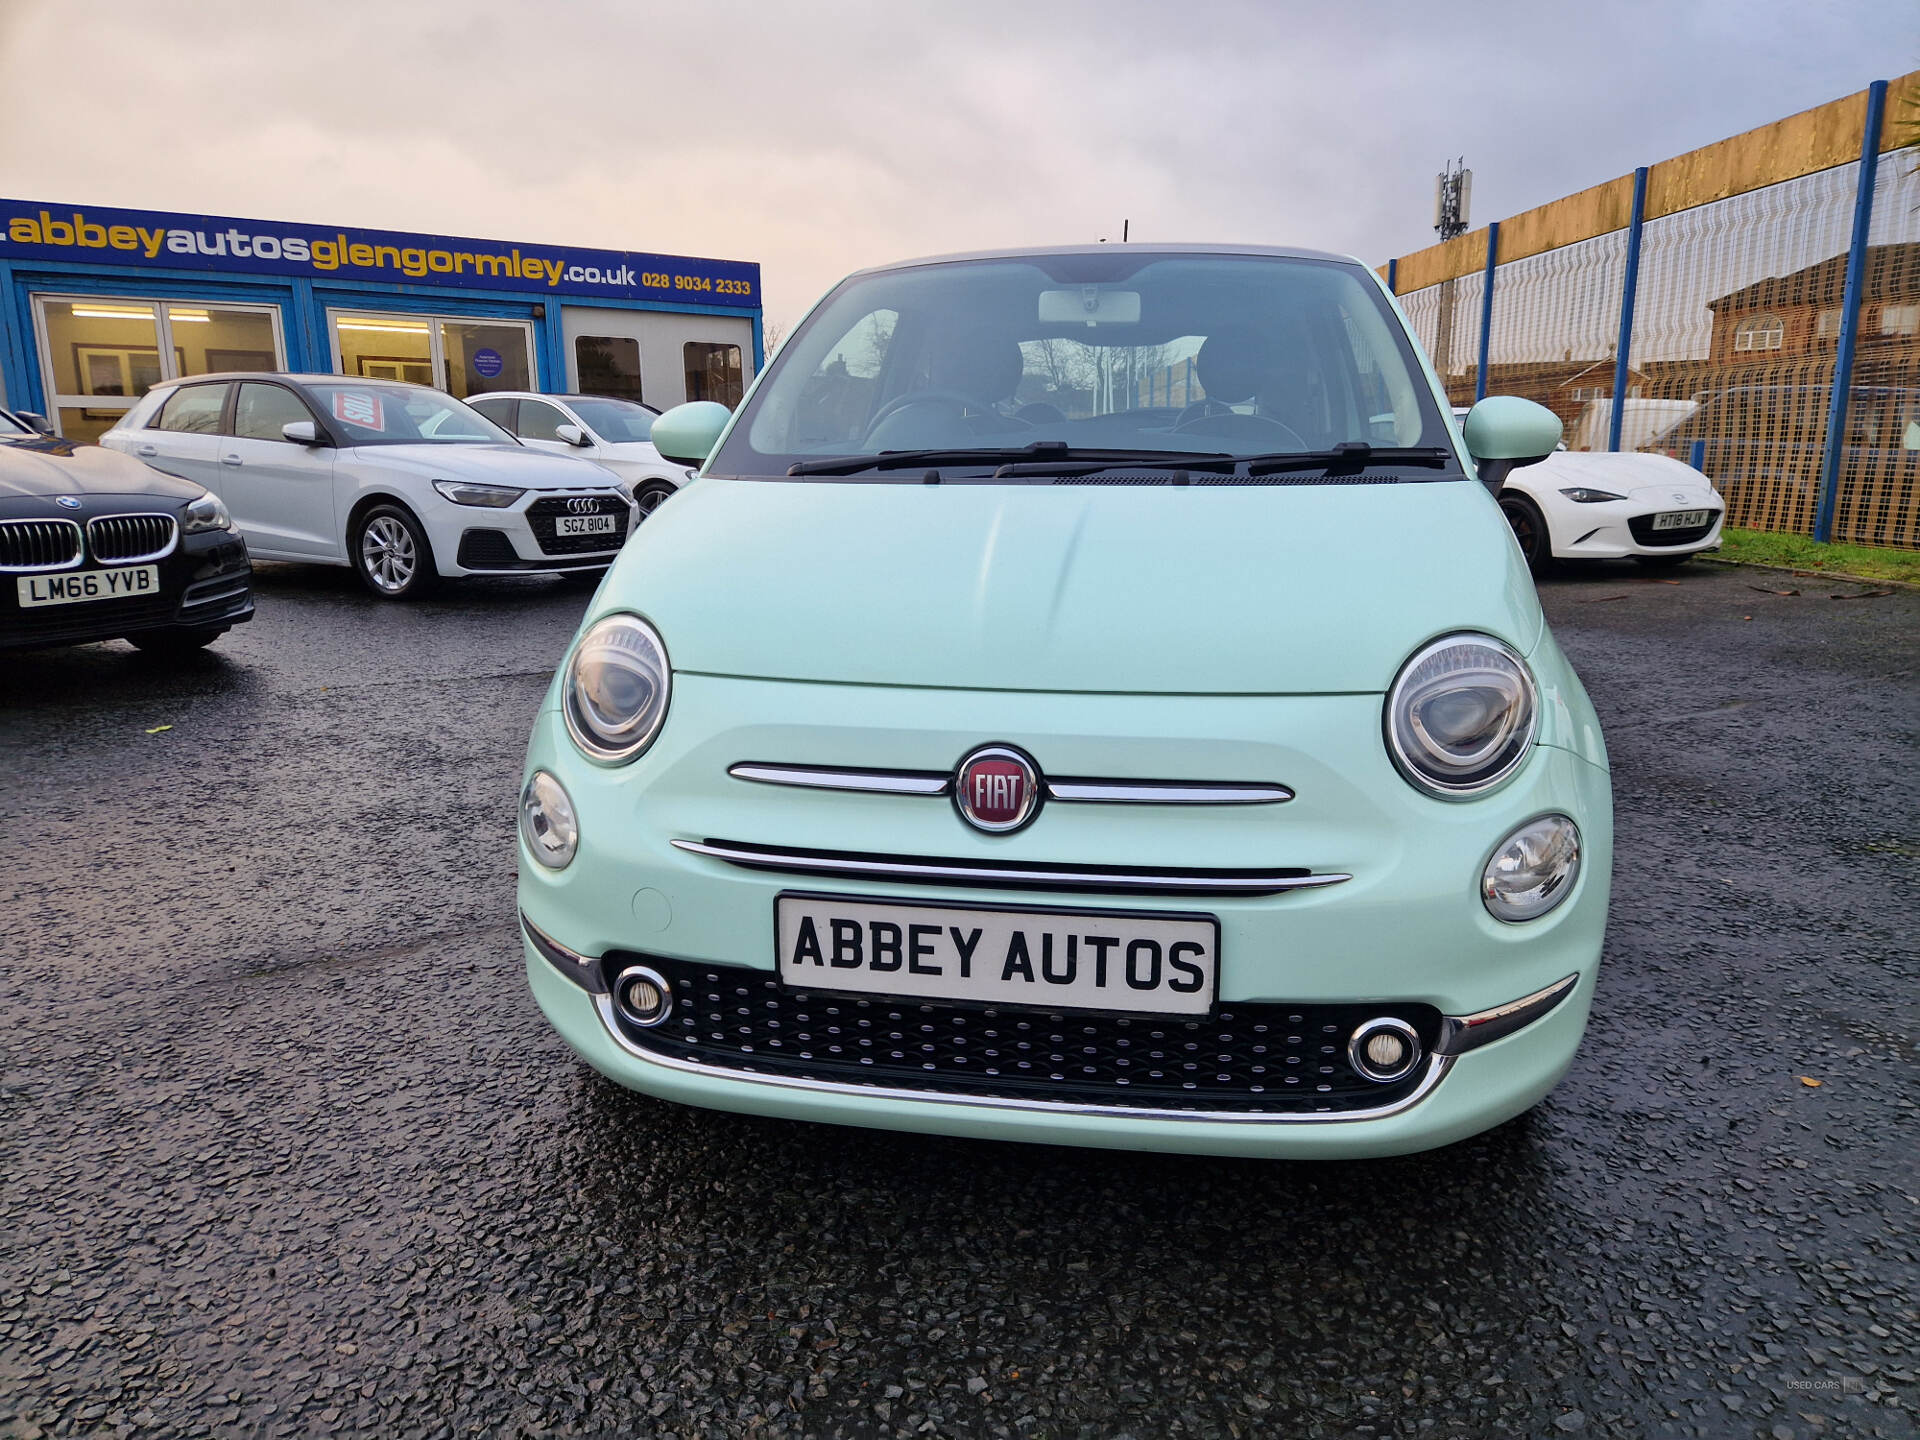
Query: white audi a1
(403, 483)
(612, 432)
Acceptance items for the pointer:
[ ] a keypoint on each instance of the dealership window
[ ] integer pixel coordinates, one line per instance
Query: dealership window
(462, 357)
(713, 372)
(99, 355)
(608, 365)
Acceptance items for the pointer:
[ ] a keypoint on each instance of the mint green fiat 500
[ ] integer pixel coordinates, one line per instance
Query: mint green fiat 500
(1088, 696)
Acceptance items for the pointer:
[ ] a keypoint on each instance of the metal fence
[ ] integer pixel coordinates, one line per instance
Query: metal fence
(1751, 308)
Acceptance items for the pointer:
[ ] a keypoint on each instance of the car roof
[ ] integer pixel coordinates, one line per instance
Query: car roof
(297, 378)
(1279, 252)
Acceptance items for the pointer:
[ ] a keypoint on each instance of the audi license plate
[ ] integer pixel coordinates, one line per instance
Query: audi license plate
(584, 525)
(77, 585)
(1680, 519)
(1053, 959)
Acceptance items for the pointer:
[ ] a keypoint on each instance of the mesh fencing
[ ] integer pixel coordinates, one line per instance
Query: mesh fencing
(1734, 345)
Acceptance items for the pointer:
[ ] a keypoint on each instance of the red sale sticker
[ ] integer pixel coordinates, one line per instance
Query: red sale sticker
(359, 407)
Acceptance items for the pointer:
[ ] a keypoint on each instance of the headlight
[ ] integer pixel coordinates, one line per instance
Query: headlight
(1460, 716)
(465, 492)
(1533, 870)
(616, 689)
(1581, 495)
(547, 821)
(206, 513)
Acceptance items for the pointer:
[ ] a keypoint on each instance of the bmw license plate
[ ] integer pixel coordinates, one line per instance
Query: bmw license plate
(72, 586)
(1155, 964)
(584, 525)
(1680, 519)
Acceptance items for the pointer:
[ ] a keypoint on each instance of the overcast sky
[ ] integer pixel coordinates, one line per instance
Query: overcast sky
(817, 138)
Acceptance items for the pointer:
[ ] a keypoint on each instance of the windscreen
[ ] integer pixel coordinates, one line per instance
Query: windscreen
(1116, 350)
(614, 421)
(365, 414)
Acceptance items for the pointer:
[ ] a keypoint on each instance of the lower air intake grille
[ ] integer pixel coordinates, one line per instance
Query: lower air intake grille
(1645, 534)
(1255, 1058)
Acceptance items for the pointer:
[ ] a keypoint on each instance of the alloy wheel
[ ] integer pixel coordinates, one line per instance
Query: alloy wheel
(387, 552)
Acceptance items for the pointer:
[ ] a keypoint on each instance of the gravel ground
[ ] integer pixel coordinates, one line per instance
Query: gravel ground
(285, 1147)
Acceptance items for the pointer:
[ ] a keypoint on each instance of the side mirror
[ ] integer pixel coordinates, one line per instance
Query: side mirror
(34, 420)
(572, 434)
(687, 433)
(300, 432)
(1504, 432)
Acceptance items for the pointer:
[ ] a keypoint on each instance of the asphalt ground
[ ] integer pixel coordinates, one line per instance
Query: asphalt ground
(286, 1148)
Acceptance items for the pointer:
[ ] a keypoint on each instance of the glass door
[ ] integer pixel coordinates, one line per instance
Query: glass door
(462, 357)
(98, 356)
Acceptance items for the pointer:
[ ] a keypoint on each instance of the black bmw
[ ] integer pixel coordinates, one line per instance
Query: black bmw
(96, 546)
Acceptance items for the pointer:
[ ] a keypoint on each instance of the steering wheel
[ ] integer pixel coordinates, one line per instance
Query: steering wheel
(1226, 424)
(937, 392)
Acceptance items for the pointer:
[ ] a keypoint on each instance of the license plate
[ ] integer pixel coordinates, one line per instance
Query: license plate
(1680, 519)
(584, 525)
(73, 586)
(1050, 959)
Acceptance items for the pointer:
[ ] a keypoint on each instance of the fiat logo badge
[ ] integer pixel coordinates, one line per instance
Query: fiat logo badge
(997, 789)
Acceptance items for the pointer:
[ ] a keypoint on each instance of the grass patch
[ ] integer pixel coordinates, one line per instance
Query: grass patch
(1801, 552)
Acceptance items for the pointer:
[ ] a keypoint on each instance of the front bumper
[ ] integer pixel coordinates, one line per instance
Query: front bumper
(523, 539)
(206, 582)
(1621, 529)
(1407, 929)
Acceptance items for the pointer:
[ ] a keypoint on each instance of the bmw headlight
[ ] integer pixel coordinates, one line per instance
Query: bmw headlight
(1585, 495)
(465, 492)
(617, 684)
(1533, 870)
(206, 513)
(1460, 717)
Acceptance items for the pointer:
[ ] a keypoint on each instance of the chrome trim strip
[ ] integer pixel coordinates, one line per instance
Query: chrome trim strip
(1167, 792)
(79, 551)
(1437, 1067)
(173, 537)
(827, 777)
(1461, 1033)
(1074, 791)
(949, 872)
(550, 947)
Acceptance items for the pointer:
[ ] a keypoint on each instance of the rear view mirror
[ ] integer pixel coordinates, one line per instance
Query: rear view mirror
(1504, 432)
(1090, 305)
(572, 434)
(300, 432)
(687, 433)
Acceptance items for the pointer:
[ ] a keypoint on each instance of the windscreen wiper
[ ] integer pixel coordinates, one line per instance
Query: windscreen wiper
(1042, 457)
(1351, 457)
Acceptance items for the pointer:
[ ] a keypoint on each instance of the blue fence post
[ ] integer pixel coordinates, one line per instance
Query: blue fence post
(1393, 277)
(1486, 310)
(1629, 286)
(1850, 313)
(1697, 456)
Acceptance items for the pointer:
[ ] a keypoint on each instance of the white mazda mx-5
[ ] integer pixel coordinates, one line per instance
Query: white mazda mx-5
(1611, 505)
(401, 482)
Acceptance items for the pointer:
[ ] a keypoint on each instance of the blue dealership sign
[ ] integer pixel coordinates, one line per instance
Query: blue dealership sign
(487, 363)
(162, 240)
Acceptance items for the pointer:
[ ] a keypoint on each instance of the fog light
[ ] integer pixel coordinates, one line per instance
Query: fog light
(1384, 1050)
(1533, 870)
(643, 995)
(547, 821)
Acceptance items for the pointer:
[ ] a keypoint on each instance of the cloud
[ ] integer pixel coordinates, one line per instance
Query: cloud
(819, 137)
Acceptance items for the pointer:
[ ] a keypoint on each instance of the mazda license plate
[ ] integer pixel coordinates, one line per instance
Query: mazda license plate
(1680, 519)
(1156, 964)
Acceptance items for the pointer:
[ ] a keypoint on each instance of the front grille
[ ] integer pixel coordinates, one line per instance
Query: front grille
(1645, 534)
(487, 550)
(94, 620)
(121, 539)
(542, 514)
(209, 600)
(38, 544)
(1252, 1058)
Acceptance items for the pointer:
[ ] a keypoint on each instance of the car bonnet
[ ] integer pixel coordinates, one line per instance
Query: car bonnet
(1244, 589)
